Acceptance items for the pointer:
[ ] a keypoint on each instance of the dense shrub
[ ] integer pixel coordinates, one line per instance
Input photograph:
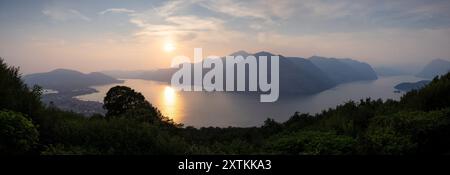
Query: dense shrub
(109, 136)
(410, 132)
(18, 135)
(312, 143)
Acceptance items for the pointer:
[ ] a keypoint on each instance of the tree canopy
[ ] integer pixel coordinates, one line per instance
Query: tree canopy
(18, 135)
(121, 99)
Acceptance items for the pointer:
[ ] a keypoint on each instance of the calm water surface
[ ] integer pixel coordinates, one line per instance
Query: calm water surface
(228, 109)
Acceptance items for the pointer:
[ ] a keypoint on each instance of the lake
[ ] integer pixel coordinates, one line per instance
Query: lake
(229, 109)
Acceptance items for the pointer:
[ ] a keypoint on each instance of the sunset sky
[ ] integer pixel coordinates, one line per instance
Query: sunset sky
(96, 35)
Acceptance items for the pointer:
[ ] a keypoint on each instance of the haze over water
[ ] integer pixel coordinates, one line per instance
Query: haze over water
(227, 109)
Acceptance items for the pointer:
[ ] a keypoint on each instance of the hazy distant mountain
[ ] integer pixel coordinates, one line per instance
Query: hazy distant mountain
(300, 76)
(240, 53)
(344, 70)
(410, 86)
(163, 75)
(67, 80)
(124, 74)
(297, 75)
(388, 71)
(434, 68)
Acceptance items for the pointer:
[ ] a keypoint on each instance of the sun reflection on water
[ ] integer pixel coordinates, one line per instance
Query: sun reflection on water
(169, 105)
(169, 96)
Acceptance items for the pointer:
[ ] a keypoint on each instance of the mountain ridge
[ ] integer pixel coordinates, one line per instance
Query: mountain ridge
(68, 80)
(434, 68)
(344, 70)
(297, 75)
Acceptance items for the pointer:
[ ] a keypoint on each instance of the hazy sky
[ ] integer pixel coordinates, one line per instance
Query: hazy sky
(93, 35)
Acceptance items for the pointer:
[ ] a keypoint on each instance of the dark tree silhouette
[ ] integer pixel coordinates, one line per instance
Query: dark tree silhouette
(121, 99)
(14, 94)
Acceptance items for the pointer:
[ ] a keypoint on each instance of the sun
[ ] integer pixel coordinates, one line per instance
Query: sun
(169, 47)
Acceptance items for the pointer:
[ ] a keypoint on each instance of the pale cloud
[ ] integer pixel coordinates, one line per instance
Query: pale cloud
(266, 10)
(377, 47)
(138, 22)
(117, 10)
(194, 23)
(331, 10)
(381, 31)
(256, 26)
(352, 38)
(236, 9)
(65, 14)
(179, 27)
(170, 7)
(367, 14)
(165, 22)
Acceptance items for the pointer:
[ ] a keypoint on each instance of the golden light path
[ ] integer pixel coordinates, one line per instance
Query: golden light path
(169, 96)
(169, 105)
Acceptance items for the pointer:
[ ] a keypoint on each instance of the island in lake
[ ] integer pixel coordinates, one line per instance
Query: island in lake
(408, 86)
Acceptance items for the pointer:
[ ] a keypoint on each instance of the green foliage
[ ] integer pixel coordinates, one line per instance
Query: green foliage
(14, 94)
(312, 143)
(410, 132)
(351, 118)
(108, 136)
(299, 121)
(18, 135)
(271, 126)
(388, 141)
(60, 149)
(121, 99)
(436, 95)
